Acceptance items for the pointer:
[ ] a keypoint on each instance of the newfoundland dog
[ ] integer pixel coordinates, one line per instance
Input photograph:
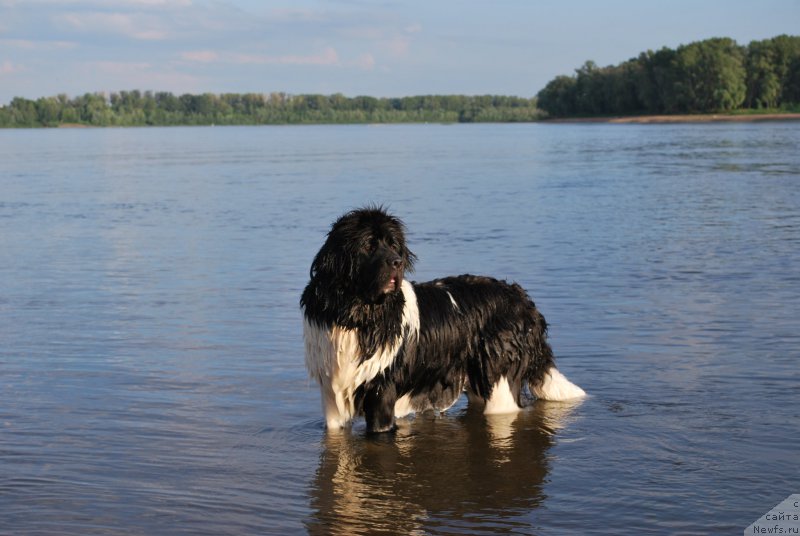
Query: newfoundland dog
(382, 346)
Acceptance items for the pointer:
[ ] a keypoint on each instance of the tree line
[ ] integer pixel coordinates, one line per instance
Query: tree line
(714, 75)
(137, 108)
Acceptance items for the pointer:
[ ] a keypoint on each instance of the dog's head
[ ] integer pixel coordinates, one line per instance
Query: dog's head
(365, 255)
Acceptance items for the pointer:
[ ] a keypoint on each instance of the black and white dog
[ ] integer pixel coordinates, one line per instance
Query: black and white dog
(384, 347)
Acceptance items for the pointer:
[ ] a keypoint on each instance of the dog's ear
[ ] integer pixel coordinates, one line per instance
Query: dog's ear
(399, 234)
(409, 258)
(325, 262)
(334, 262)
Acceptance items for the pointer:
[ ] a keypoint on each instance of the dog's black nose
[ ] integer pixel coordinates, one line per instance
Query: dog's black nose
(397, 262)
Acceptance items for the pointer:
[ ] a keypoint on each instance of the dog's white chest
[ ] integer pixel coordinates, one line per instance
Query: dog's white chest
(331, 353)
(334, 360)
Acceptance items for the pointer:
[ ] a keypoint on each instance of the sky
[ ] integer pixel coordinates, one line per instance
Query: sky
(382, 48)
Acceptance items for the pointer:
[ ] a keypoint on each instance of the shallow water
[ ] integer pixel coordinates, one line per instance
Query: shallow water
(151, 368)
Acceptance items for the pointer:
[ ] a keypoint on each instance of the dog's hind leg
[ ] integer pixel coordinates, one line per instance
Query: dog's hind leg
(503, 399)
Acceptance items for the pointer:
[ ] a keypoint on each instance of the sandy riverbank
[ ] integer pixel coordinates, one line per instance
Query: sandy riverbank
(694, 118)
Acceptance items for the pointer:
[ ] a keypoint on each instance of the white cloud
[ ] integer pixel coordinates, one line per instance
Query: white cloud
(200, 56)
(29, 44)
(134, 26)
(119, 67)
(104, 4)
(7, 68)
(296, 15)
(328, 56)
(398, 46)
(114, 76)
(370, 33)
(166, 3)
(365, 61)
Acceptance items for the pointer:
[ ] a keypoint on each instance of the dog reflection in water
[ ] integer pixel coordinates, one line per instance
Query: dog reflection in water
(462, 471)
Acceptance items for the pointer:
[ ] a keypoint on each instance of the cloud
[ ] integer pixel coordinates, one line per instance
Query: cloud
(117, 75)
(398, 46)
(29, 44)
(391, 40)
(156, 3)
(119, 67)
(365, 61)
(7, 68)
(296, 15)
(102, 4)
(200, 56)
(327, 57)
(136, 26)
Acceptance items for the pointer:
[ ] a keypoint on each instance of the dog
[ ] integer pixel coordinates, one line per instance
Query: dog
(384, 347)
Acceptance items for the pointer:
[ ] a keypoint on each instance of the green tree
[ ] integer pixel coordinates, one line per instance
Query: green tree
(791, 86)
(589, 94)
(705, 76)
(769, 65)
(48, 111)
(23, 112)
(94, 109)
(763, 84)
(558, 96)
(710, 76)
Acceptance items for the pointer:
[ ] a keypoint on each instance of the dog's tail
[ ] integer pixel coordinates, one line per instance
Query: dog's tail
(555, 386)
(545, 381)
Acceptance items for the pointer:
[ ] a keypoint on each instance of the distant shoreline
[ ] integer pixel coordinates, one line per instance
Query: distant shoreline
(680, 118)
(632, 119)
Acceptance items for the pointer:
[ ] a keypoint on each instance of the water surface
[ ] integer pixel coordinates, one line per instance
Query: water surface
(151, 368)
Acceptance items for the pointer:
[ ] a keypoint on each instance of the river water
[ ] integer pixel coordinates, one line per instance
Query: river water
(151, 356)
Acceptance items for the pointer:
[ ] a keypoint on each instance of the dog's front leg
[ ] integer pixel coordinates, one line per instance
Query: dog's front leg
(334, 407)
(379, 398)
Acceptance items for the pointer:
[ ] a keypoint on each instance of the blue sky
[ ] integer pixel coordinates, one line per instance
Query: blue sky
(356, 47)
